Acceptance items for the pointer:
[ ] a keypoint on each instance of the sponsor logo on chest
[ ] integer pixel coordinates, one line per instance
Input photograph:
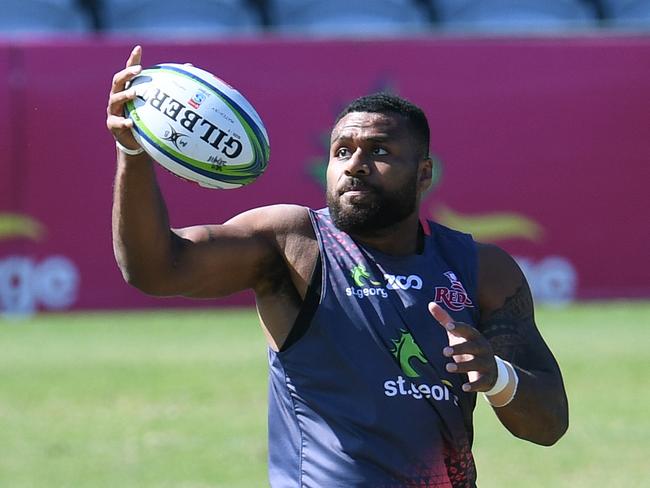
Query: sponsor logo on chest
(411, 358)
(454, 297)
(365, 285)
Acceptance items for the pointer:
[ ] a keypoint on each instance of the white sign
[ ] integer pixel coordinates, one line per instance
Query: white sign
(552, 280)
(25, 284)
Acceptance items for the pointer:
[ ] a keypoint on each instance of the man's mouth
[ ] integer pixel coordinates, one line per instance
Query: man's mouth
(355, 187)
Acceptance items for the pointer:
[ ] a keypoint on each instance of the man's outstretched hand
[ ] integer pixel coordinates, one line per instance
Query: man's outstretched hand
(471, 352)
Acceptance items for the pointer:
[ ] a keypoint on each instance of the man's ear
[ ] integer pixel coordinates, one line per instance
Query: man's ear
(425, 174)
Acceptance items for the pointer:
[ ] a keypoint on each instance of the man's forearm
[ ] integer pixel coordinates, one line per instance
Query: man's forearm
(141, 237)
(539, 411)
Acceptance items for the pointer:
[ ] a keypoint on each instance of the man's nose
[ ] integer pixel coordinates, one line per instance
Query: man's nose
(357, 164)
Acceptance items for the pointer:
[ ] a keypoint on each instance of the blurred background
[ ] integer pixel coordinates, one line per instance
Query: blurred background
(539, 113)
(540, 120)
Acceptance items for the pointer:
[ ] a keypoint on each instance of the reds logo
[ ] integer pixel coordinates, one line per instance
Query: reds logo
(455, 297)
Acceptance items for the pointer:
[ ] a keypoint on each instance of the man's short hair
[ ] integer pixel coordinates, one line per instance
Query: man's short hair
(386, 103)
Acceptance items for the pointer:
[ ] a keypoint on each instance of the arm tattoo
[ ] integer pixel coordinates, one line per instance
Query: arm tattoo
(508, 327)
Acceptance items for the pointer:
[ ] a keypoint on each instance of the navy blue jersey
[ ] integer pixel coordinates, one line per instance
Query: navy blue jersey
(359, 396)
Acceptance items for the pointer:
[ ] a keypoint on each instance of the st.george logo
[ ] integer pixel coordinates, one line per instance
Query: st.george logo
(409, 355)
(361, 276)
(405, 348)
(366, 286)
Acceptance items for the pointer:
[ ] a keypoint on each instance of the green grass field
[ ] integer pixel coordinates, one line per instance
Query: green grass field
(178, 399)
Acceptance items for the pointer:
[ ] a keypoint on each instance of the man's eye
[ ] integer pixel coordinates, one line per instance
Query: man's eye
(343, 152)
(379, 151)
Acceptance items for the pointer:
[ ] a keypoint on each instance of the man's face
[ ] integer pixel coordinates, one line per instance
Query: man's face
(376, 172)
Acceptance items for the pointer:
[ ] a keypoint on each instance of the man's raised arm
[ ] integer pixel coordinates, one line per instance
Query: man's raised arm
(206, 261)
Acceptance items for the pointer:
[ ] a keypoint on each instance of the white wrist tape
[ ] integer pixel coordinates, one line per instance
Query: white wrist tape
(126, 150)
(502, 377)
(505, 388)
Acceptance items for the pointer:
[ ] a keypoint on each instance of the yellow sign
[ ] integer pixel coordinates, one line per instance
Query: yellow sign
(14, 226)
(491, 227)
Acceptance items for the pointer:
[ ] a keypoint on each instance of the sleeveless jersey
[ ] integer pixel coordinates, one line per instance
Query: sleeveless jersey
(362, 398)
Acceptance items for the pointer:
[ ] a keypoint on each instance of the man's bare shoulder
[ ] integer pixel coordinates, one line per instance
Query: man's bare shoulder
(499, 276)
(281, 219)
(272, 224)
(282, 223)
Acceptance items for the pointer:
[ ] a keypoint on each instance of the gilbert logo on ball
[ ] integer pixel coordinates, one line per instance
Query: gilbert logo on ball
(197, 126)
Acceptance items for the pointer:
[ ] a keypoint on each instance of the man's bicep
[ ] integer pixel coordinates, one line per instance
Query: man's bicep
(513, 334)
(217, 260)
(507, 312)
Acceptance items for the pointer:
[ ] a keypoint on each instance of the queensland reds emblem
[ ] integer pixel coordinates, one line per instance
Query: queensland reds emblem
(455, 297)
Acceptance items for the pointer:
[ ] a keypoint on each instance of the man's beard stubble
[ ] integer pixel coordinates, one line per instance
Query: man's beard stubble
(384, 210)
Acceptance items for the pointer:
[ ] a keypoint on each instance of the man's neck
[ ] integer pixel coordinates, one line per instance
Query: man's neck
(400, 239)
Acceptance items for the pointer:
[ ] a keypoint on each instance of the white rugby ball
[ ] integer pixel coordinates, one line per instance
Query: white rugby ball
(197, 126)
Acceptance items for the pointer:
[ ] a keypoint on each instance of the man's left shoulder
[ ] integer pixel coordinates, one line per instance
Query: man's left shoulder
(499, 276)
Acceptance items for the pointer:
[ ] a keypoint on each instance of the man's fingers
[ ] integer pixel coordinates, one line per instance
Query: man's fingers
(454, 329)
(115, 120)
(469, 351)
(135, 57)
(122, 77)
(462, 348)
(476, 364)
(441, 315)
(117, 123)
(444, 319)
(483, 383)
(478, 370)
(117, 100)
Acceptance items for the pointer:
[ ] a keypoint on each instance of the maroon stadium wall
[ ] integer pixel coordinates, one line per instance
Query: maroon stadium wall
(543, 147)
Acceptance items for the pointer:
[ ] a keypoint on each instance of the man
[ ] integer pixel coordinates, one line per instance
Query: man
(368, 388)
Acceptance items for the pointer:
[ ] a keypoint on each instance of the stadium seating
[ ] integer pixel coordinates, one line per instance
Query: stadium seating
(176, 18)
(30, 18)
(349, 17)
(627, 14)
(169, 19)
(517, 16)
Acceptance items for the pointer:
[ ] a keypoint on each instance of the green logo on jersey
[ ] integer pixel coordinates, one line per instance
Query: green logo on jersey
(361, 277)
(405, 349)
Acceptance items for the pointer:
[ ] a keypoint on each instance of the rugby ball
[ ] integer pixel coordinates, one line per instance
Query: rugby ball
(197, 126)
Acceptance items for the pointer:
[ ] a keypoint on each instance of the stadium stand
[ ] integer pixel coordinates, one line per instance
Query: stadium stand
(186, 19)
(627, 14)
(204, 19)
(516, 16)
(351, 17)
(34, 18)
